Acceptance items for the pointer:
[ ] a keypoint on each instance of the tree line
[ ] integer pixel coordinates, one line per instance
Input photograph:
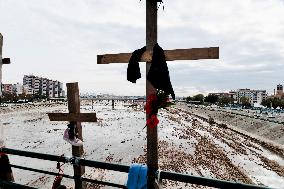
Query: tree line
(273, 102)
(214, 99)
(13, 97)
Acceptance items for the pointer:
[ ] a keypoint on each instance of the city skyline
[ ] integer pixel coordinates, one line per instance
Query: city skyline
(35, 85)
(278, 87)
(56, 43)
(208, 93)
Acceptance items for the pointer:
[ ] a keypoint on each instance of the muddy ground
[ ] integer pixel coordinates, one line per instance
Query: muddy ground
(187, 144)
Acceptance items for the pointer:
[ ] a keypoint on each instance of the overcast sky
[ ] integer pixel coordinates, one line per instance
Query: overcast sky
(60, 39)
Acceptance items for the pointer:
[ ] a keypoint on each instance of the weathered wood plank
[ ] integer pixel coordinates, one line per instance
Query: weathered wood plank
(152, 133)
(171, 55)
(5, 174)
(74, 107)
(79, 117)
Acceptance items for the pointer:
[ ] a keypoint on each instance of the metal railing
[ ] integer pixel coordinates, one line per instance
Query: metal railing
(114, 167)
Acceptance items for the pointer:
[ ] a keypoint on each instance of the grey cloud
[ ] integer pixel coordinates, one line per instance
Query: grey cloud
(68, 35)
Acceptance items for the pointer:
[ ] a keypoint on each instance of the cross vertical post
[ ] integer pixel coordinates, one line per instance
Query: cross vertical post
(152, 133)
(74, 107)
(2, 61)
(6, 173)
(112, 104)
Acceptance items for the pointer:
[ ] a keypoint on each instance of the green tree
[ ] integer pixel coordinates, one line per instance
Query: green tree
(266, 102)
(29, 97)
(9, 97)
(273, 102)
(22, 96)
(189, 98)
(225, 101)
(199, 97)
(281, 103)
(245, 101)
(39, 97)
(211, 99)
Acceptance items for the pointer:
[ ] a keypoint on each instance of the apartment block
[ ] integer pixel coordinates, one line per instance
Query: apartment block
(36, 85)
(254, 96)
(50, 89)
(220, 95)
(233, 95)
(279, 91)
(18, 89)
(28, 90)
(7, 88)
(44, 86)
(28, 80)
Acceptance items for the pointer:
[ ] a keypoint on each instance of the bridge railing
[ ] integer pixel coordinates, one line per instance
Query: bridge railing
(210, 182)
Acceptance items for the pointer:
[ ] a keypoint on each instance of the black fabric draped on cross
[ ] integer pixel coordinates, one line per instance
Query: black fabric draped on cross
(158, 74)
(133, 69)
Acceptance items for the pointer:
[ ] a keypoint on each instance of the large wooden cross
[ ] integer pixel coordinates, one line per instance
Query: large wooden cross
(75, 116)
(171, 55)
(2, 61)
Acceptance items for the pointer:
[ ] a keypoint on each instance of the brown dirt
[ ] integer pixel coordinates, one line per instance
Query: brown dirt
(273, 165)
(214, 158)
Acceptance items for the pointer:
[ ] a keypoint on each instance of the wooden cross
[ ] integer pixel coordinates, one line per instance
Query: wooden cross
(6, 175)
(171, 55)
(76, 117)
(2, 61)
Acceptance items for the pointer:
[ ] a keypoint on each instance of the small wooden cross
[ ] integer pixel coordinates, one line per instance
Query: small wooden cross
(178, 54)
(75, 116)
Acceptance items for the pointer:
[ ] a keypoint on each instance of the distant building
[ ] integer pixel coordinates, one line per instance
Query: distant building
(36, 85)
(50, 88)
(7, 88)
(18, 89)
(279, 91)
(233, 95)
(254, 96)
(44, 86)
(28, 90)
(220, 95)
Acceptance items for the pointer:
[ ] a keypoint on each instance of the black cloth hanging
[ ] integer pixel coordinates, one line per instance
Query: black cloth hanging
(133, 69)
(158, 74)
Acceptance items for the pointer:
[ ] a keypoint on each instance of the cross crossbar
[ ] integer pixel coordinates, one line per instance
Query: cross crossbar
(171, 55)
(79, 117)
